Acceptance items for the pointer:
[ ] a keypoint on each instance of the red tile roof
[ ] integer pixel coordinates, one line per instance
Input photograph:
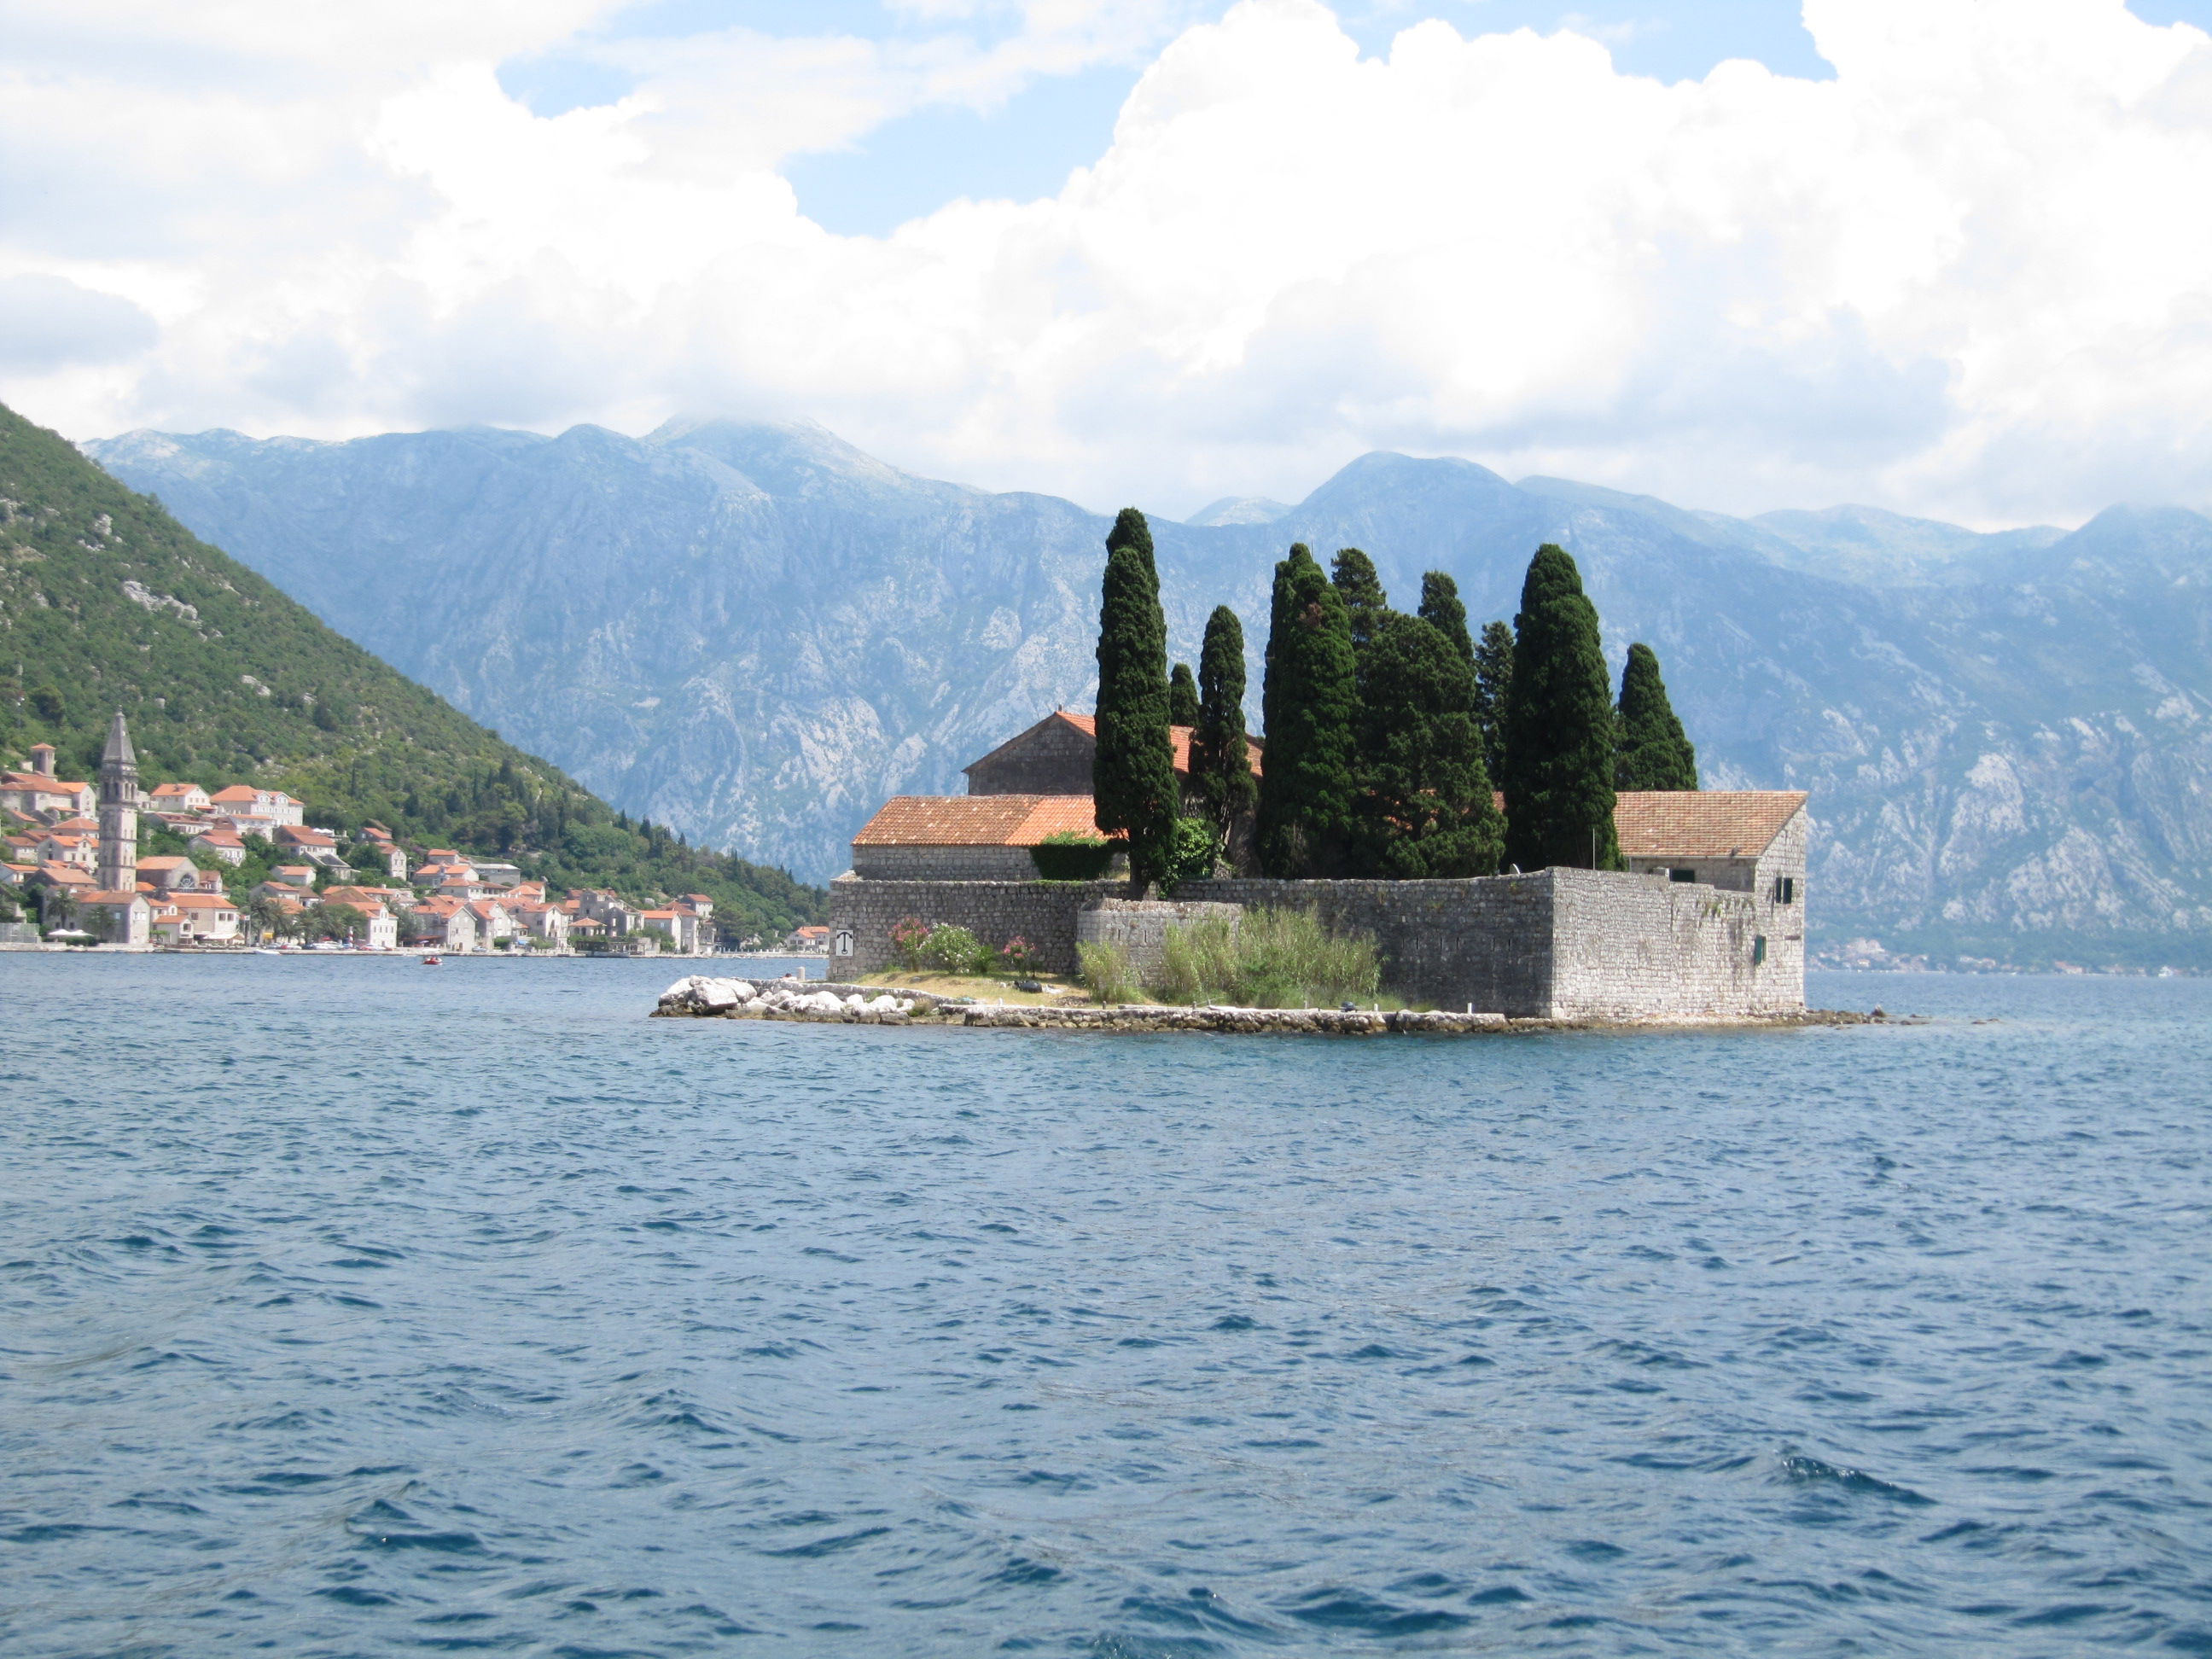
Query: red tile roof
(1716, 824)
(976, 820)
(237, 792)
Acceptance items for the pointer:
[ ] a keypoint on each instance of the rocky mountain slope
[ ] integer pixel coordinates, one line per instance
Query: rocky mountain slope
(106, 603)
(756, 633)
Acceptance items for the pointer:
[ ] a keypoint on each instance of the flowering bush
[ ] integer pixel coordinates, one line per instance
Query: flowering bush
(908, 935)
(1016, 957)
(956, 950)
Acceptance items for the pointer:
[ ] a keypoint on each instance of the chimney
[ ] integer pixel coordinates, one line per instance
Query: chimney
(42, 759)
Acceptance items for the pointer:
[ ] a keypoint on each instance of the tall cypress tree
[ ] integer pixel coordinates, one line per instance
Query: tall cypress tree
(1182, 696)
(1425, 806)
(1220, 759)
(1353, 574)
(1493, 672)
(1441, 610)
(1311, 696)
(1656, 753)
(1558, 726)
(1133, 781)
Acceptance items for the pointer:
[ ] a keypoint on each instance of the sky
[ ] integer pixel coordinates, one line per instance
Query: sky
(1952, 257)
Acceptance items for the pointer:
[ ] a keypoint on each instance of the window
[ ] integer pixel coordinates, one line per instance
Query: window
(1682, 875)
(1758, 949)
(1785, 890)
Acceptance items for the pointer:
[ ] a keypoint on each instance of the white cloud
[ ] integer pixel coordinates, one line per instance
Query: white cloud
(1970, 275)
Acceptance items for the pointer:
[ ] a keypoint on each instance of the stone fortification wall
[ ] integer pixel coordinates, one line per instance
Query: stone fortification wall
(1042, 911)
(1642, 947)
(1485, 941)
(1140, 926)
(1573, 945)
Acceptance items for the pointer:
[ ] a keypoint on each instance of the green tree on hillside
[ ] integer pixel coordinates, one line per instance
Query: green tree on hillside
(1424, 805)
(1220, 759)
(1132, 768)
(1558, 726)
(1655, 752)
(1493, 673)
(1182, 697)
(1310, 698)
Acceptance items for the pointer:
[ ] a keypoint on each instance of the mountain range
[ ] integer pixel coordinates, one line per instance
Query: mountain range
(756, 633)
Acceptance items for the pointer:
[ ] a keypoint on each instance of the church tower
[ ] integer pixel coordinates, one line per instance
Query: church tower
(119, 812)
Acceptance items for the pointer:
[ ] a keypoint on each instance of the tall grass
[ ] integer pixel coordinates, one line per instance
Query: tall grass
(1270, 959)
(1106, 973)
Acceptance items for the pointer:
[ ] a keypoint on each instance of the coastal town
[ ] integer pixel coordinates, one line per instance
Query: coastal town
(251, 872)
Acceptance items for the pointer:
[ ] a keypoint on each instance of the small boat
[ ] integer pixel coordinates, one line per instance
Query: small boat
(263, 951)
(432, 962)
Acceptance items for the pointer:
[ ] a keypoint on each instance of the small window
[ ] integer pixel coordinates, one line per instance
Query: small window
(1785, 890)
(1758, 949)
(1682, 875)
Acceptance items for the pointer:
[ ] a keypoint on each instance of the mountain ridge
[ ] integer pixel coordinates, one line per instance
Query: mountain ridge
(2009, 737)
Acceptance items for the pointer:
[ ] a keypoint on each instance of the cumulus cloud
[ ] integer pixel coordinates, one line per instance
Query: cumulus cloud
(1970, 275)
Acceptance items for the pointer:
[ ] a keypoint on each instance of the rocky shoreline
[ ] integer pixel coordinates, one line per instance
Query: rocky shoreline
(702, 997)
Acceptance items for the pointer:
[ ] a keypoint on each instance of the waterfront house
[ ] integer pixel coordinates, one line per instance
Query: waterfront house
(117, 917)
(194, 918)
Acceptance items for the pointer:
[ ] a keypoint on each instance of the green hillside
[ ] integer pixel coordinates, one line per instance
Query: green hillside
(107, 603)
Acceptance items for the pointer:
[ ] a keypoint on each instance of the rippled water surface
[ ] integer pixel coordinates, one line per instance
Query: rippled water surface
(350, 1308)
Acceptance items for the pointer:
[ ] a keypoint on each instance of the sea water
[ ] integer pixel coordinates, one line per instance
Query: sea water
(349, 1307)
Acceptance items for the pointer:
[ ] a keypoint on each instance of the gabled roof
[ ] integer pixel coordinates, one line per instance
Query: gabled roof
(976, 820)
(237, 792)
(1715, 824)
(162, 789)
(220, 837)
(109, 896)
(1178, 736)
(197, 902)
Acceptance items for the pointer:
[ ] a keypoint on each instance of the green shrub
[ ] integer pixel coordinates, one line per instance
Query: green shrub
(1068, 855)
(1269, 959)
(1192, 854)
(907, 934)
(956, 950)
(1106, 973)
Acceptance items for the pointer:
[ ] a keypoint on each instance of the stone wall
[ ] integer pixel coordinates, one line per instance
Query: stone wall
(944, 864)
(1140, 927)
(1050, 758)
(1557, 945)
(1484, 942)
(1642, 947)
(1042, 911)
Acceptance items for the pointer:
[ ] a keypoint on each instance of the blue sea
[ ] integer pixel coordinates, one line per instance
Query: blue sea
(352, 1307)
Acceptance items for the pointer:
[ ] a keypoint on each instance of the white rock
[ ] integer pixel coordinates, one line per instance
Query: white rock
(681, 991)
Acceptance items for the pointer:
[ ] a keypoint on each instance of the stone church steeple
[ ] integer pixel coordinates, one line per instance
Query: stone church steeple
(119, 812)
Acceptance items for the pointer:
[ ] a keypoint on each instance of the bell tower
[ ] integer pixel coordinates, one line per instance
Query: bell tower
(119, 812)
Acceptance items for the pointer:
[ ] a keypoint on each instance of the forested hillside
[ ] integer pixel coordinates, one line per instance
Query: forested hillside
(107, 603)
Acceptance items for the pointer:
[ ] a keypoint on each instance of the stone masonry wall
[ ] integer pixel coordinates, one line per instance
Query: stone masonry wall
(944, 864)
(1140, 927)
(1558, 944)
(1484, 942)
(1642, 947)
(1042, 911)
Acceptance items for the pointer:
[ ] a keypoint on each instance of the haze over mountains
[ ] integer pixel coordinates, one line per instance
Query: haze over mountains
(756, 633)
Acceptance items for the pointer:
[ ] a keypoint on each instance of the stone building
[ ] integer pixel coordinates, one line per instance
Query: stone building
(1054, 757)
(979, 837)
(118, 871)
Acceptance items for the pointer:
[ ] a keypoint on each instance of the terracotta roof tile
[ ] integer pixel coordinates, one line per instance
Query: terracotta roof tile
(1702, 825)
(975, 820)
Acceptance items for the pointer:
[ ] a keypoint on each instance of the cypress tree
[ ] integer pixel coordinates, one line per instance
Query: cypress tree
(1655, 752)
(1220, 760)
(1352, 575)
(1493, 672)
(1558, 726)
(1310, 697)
(1441, 610)
(1425, 808)
(1182, 697)
(1132, 781)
